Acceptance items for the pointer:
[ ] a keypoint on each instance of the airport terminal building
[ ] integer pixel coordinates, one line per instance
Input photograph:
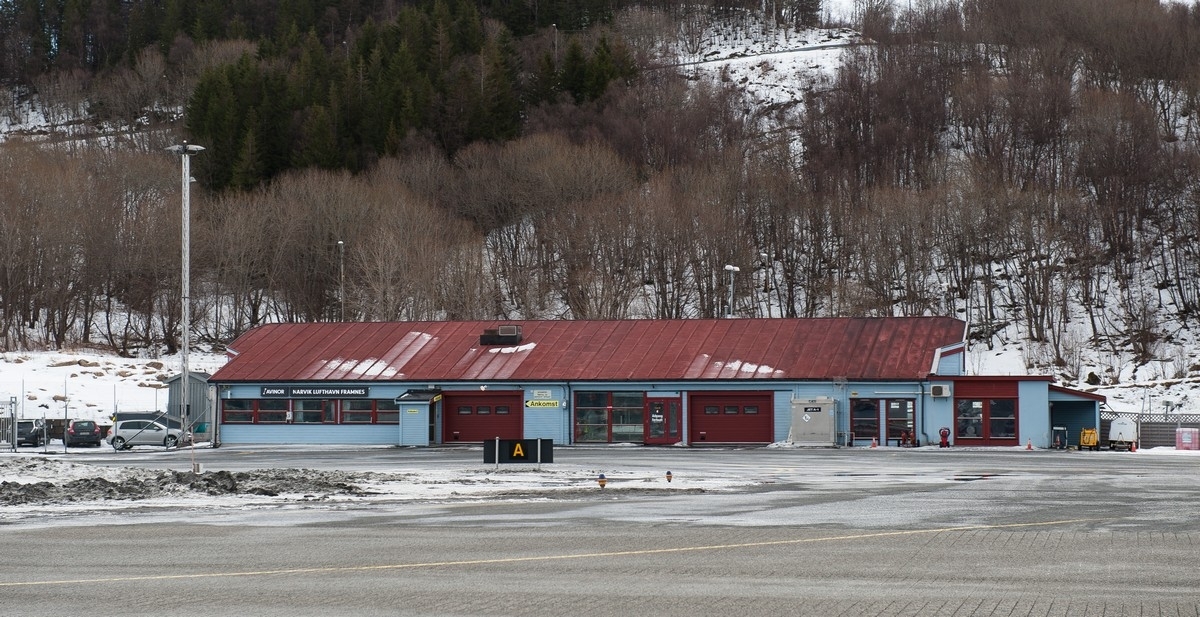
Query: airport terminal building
(819, 382)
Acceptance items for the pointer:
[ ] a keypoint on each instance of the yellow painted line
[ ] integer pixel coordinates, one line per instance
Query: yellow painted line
(506, 560)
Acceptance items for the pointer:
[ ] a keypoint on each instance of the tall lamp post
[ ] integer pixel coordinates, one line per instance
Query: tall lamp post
(341, 280)
(731, 269)
(766, 282)
(185, 151)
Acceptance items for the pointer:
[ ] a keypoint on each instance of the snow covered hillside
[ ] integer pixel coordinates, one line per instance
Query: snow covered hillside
(90, 385)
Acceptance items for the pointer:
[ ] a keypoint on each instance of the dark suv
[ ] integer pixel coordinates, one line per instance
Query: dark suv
(81, 432)
(30, 432)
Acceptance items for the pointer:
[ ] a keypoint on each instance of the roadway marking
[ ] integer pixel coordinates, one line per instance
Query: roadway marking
(504, 560)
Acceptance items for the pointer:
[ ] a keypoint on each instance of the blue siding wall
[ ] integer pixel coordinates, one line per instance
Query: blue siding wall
(1033, 406)
(930, 413)
(555, 422)
(354, 434)
(939, 412)
(548, 422)
(783, 415)
(951, 365)
(414, 423)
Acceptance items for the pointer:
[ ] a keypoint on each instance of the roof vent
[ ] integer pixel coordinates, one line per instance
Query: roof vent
(507, 334)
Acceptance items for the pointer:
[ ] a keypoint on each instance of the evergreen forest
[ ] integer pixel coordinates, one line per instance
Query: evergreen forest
(1030, 166)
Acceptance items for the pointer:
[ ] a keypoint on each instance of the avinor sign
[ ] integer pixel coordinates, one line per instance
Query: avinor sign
(321, 391)
(518, 451)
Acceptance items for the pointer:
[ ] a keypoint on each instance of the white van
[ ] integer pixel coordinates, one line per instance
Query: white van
(1123, 434)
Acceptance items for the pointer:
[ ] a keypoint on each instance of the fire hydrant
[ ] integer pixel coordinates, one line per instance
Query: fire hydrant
(945, 435)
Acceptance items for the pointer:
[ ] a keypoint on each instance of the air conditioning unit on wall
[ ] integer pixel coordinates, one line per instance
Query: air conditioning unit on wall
(939, 390)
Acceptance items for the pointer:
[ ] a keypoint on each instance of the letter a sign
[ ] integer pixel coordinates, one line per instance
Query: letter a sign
(518, 451)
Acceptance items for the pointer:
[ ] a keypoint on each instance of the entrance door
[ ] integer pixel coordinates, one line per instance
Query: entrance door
(888, 421)
(435, 420)
(662, 420)
(864, 421)
(900, 415)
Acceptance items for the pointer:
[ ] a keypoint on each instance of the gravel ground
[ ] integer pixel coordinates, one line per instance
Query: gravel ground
(42, 482)
(39, 484)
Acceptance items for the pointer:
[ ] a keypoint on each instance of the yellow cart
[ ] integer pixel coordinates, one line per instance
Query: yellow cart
(1089, 438)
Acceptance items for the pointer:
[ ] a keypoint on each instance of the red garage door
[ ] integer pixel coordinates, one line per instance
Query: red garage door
(479, 416)
(731, 417)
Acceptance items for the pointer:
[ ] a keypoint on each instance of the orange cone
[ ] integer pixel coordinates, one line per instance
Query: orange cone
(1028, 444)
(874, 442)
(1133, 446)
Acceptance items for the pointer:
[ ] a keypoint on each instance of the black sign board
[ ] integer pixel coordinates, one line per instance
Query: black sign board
(518, 451)
(314, 391)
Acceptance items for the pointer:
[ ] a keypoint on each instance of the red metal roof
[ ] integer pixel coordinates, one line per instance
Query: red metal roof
(641, 350)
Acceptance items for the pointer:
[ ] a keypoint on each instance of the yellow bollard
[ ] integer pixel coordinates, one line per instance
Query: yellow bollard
(601, 480)
(668, 476)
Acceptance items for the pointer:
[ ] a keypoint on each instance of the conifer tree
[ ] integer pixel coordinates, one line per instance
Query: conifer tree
(574, 74)
(501, 106)
(317, 145)
(545, 84)
(247, 169)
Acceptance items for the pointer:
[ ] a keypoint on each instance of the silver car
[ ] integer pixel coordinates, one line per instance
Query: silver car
(128, 433)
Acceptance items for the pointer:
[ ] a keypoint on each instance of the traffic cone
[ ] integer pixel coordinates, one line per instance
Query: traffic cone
(1133, 446)
(1028, 444)
(874, 442)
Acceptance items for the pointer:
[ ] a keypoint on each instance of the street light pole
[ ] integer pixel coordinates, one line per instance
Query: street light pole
(767, 282)
(731, 269)
(342, 280)
(185, 151)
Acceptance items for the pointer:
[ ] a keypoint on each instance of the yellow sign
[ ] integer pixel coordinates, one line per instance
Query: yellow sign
(541, 403)
(518, 450)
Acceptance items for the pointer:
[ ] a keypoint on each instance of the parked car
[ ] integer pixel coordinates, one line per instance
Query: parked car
(81, 432)
(31, 432)
(128, 433)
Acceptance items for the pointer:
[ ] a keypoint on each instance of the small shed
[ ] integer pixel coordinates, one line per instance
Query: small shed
(197, 415)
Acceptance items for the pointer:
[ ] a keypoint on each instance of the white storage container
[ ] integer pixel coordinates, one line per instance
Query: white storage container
(1122, 434)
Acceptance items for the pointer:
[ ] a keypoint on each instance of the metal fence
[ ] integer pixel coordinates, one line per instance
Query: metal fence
(1154, 430)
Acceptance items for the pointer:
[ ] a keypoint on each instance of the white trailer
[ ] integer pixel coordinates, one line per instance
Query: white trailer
(1122, 434)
